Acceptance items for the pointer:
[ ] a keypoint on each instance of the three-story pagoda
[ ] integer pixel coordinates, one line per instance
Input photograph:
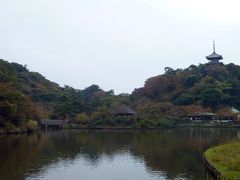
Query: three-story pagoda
(214, 58)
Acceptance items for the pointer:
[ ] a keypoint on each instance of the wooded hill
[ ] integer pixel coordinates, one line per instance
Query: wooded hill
(27, 96)
(202, 88)
(209, 85)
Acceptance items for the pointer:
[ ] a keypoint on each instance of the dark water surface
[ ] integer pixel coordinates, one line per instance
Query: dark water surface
(110, 155)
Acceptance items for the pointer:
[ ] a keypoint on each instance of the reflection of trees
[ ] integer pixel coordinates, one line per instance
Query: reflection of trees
(16, 155)
(173, 152)
(178, 151)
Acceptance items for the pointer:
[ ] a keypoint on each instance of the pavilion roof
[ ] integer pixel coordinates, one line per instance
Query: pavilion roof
(123, 109)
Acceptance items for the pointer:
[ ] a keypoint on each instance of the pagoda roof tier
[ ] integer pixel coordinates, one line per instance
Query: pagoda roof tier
(214, 56)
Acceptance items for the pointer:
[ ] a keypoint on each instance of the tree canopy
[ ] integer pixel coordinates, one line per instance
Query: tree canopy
(212, 86)
(27, 96)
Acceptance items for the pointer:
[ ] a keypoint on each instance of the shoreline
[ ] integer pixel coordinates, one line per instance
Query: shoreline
(210, 125)
(76, 126)
(212, 169)
(223, 160)
(5, 132)
(153, 128)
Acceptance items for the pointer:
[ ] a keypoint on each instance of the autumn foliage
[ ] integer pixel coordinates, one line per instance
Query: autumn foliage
(27, 96)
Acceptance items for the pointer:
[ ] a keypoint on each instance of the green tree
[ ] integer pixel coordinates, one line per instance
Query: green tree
(82, 118)
(185, 99)
(212, 97)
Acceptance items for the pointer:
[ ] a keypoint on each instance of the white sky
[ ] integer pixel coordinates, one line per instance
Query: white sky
(116, 44)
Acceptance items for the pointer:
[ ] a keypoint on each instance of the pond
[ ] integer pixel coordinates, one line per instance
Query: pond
(110, 154)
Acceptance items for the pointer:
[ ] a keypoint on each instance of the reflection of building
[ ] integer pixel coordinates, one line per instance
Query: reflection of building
(214, 58)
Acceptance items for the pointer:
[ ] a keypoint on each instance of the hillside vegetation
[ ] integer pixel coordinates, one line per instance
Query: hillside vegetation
(207, 87)
(27, 97)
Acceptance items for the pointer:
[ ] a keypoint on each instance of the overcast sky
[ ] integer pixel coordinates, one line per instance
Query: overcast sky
(116, 44)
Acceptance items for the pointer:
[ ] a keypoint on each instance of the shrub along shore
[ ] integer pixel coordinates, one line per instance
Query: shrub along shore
(224, 160)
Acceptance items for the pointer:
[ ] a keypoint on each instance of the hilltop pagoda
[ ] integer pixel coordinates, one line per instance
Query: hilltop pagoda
(214, 58)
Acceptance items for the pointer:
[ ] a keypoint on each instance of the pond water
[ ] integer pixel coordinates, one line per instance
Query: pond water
(110, 154)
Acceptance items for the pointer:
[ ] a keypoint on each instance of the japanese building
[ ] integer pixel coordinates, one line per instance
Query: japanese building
(214, 58)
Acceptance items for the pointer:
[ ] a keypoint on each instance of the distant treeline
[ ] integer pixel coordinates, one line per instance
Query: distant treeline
(27, 97)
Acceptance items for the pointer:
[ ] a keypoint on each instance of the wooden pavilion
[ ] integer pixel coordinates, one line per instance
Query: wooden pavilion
(123, 110)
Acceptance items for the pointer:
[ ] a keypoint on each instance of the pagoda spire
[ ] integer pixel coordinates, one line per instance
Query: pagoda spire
(214, 50)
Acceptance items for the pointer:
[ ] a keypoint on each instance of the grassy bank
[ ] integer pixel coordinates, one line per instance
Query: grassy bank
(226, 159)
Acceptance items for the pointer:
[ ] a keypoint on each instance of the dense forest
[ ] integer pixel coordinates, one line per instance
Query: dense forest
(203, 88)
(210, 85)
(26, 97)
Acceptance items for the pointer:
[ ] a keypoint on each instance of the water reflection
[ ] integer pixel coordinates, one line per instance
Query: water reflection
(105, 154)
